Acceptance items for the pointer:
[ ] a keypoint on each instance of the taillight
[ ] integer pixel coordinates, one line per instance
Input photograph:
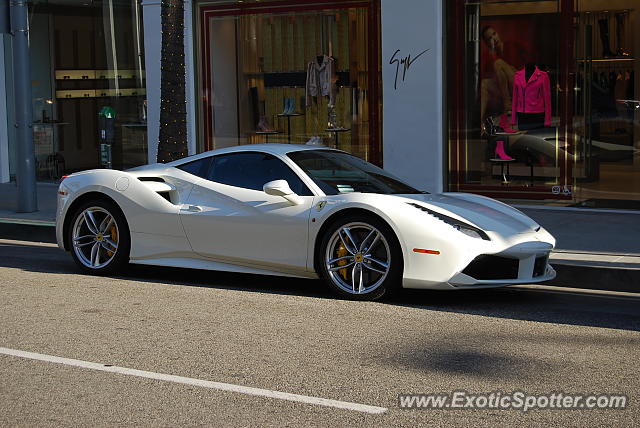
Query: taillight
(61, 191)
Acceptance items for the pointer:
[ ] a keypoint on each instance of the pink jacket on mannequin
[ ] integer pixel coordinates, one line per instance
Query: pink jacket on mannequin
(533, 96)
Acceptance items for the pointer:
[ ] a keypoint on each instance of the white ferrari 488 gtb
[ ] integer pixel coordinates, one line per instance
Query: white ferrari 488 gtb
(302, 211)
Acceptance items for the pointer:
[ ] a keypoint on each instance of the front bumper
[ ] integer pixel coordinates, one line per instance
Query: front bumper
(523, 263)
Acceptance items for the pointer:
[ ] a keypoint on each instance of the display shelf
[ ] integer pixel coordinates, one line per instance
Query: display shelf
(98, 93)
(52, 123)
(267, 134)
(336, 132)
(607, 59)
(96, 74)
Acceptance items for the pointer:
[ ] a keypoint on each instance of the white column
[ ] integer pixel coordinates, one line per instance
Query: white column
(190, 70)
(4, 132)
(152, 46)
(413, 97)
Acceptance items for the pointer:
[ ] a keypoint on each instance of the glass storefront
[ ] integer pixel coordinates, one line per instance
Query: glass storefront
(89, 104)
(544, 101)
(290, 72)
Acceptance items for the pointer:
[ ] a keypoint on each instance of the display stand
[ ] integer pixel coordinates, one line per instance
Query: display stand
(267, 134)
(503, 162)
(336, 132)
(288, 116)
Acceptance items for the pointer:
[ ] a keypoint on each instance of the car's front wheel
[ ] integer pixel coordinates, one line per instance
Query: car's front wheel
(99, 237)
(361, 258)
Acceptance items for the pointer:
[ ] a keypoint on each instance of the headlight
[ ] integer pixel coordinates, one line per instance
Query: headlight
(460, 226)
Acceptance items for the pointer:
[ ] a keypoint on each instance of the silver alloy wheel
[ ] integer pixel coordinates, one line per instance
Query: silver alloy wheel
(357, 258)
(95, 237)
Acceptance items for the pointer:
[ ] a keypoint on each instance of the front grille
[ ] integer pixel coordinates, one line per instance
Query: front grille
(540, 266)
(492, 267)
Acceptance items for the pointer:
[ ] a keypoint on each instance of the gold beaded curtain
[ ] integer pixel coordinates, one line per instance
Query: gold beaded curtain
(273, 44)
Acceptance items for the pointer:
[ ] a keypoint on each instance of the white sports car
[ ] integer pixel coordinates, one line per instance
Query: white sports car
(302, 211)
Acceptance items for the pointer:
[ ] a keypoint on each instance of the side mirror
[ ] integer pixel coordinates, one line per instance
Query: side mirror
(281, 188)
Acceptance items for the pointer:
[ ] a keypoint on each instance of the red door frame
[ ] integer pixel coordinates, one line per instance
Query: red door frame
(455, 114)
(280, 6)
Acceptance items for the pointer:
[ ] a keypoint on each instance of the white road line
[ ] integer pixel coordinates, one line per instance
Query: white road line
(197, 382)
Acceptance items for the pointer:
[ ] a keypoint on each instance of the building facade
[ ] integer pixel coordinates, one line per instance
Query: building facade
(520, 100)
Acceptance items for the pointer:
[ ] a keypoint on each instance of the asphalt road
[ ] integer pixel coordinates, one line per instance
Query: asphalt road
(292, 336)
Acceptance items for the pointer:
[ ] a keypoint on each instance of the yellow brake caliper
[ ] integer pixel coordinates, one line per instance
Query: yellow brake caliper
(114, 238)
(342, 251)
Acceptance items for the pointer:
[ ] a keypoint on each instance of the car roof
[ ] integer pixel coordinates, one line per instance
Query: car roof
(271, 148)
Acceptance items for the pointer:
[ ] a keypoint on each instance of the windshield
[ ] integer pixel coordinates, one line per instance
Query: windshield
(336, 172)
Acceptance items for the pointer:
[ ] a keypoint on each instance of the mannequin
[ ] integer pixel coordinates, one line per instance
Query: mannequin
(531, 101)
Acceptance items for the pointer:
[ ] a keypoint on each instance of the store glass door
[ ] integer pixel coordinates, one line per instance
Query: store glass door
(606, 105)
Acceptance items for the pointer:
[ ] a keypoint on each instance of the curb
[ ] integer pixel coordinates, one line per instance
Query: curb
(28, 231)
(596, 278)
(567, 275)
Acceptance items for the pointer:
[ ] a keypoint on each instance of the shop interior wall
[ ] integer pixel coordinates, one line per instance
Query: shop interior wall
(225, 88)
(41, 67)
(634, 20)
(8, 76)
(40, 44)
(4, 115)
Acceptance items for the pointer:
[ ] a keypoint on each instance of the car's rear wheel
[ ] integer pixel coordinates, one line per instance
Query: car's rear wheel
(361, 258)
(99, 237)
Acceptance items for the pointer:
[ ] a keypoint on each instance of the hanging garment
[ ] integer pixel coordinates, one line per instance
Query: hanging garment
(533, 96)
(631, 91)
(320, 80)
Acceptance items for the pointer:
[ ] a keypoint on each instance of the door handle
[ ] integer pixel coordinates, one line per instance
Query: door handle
(192, 208)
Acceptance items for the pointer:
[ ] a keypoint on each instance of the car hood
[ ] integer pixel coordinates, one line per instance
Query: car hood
(488, 214)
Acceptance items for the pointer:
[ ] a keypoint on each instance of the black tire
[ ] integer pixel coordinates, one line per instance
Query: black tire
(108, 262)
(366, 282)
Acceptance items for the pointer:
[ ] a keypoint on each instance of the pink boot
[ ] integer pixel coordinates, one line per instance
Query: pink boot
(500, 153)
(504, 124)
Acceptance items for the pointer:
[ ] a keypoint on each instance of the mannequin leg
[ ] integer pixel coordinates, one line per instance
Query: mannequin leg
(620, 34)
(603, 24)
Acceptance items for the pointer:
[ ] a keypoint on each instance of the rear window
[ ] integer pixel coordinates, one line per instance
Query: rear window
(198, 167)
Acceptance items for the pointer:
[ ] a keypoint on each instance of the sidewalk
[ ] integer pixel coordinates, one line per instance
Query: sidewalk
(46, 214)
(594, 250)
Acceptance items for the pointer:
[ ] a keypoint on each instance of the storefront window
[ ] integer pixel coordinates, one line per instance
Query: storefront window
(289, 73)
(502, 126)
(545, 106)
(606, 105)
(88, 77)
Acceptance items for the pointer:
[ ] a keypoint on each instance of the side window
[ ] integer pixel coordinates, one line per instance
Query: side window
(253, 170)
(198, 167)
